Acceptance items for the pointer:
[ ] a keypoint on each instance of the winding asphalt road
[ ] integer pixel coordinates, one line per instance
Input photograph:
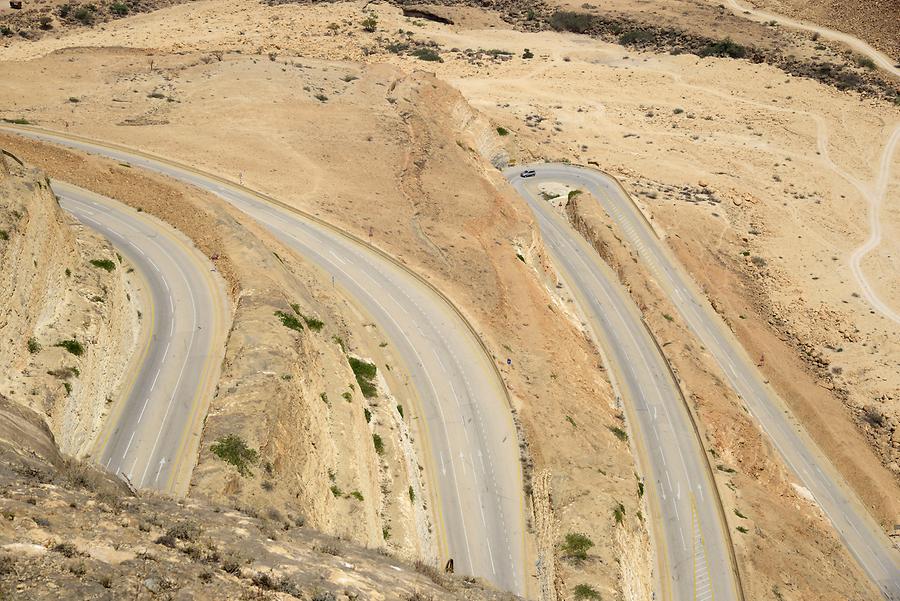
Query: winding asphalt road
(693, 551)
(860, 532)
(153, 432)
(463, 409)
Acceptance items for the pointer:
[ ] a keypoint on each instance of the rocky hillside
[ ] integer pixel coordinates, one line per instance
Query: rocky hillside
(289, 428)
(70, 532)
(67, 323)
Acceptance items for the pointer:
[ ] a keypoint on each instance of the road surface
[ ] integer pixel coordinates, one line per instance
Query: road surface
(462, 405)
(859, 531)
(693, 551)
(154, 430)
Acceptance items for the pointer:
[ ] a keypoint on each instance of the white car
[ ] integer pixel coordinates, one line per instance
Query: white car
(528, 173)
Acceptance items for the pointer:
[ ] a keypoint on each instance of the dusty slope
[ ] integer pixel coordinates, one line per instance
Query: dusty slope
(579, 99)
(69, 532)
(745, 134)
(50, 293)
(307, 446)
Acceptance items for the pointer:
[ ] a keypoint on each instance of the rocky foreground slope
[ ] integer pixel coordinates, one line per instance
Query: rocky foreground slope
(70, 532)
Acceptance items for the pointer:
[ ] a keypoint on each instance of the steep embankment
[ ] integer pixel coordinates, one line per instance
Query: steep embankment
(67, 316)
(299, 432)
(71, 532)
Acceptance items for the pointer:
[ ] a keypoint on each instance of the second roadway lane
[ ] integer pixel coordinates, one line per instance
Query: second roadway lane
(693, 551)
(153, 431)
(862, 536)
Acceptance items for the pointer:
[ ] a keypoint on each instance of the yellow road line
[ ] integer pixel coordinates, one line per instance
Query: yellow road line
(712, 590)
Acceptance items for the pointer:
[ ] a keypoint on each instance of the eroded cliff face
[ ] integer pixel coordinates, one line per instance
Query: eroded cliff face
(290, 394)
(67, 325)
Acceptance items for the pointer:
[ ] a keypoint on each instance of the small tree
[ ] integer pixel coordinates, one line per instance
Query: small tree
(576, 546)
(232, 449)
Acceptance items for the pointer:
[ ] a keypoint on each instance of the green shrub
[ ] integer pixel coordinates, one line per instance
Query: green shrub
(119, 9)
(397, 47)
(84, 14)
(19, 121)
(185, 530)
(412, 495)
(4, 235)
(572, 194)
(73, 346)
(502, 131)
(866, 62)
(427, 54)
(619, 433)
(365, 376)
(357, 495)
(106, 264)
(232, 449)
(34, 346)
(379, 444)
(619, 513)
(368, 415)
(336, 491)
(725, 48)
(635, 36)
(585, 592)
(370, 23)
(565, 20)
(742, 530)
(576, 546)
(289, 321)
(527, 54)
(312, 323)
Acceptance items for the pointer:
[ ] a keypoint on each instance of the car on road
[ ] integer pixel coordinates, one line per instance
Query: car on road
(528, 173)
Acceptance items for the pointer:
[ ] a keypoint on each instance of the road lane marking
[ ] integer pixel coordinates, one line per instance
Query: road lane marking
(130, 440)
(144, 408)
